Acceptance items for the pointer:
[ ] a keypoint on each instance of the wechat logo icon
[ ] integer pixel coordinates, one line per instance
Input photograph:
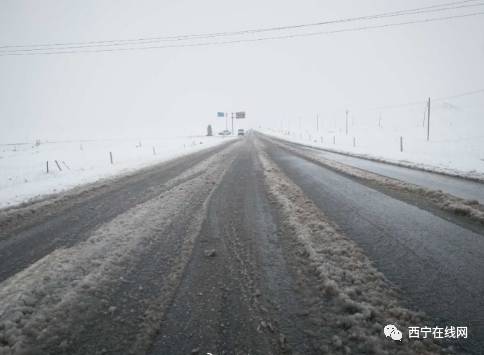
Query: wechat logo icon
(391, 331)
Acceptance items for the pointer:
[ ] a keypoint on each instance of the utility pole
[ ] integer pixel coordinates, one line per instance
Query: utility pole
(428, 119)
(347, 122)
(317, 123)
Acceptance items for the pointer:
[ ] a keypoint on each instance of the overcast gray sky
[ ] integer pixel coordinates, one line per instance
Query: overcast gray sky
(177, 91)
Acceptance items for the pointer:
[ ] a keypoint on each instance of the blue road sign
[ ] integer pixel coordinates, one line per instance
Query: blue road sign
(220, 114)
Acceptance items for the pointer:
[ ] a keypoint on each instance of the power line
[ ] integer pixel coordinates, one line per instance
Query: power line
(469, 93)
(421, 10)
(424, 102)
(259, 39)
(57, 47)
(145, 41)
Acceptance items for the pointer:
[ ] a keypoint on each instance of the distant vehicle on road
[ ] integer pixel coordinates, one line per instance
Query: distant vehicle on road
(240, 132)
(225, 132)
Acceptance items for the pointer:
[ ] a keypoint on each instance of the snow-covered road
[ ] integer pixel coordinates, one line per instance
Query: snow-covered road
(247, 247)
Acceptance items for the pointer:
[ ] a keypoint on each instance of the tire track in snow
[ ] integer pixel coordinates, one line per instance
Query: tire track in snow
(54, 305)
(30, 232)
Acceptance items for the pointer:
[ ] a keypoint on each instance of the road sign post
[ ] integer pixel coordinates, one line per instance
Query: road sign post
(428, 119)
(347, 111)
(237, 115)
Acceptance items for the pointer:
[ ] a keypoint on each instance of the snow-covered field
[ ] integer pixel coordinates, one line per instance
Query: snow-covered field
(23, 167)
(399, 135)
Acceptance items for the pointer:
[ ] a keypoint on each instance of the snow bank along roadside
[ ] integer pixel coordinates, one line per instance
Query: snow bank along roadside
(471, 175)
(42, 307)
(23, 173)
(360, 300)
(470, 209)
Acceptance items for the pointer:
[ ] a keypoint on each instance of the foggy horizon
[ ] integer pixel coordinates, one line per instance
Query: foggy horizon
(177, 91)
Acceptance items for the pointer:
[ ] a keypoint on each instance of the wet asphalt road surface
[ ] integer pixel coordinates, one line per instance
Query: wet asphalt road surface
(220, 276)
(416, 250)
(467, 189)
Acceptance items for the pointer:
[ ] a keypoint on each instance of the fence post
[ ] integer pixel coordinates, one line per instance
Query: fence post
(401, 144)
(354, 141)
(47, 166)
(111, 157)
(58, 165)
(154, 151)
(334, 139)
